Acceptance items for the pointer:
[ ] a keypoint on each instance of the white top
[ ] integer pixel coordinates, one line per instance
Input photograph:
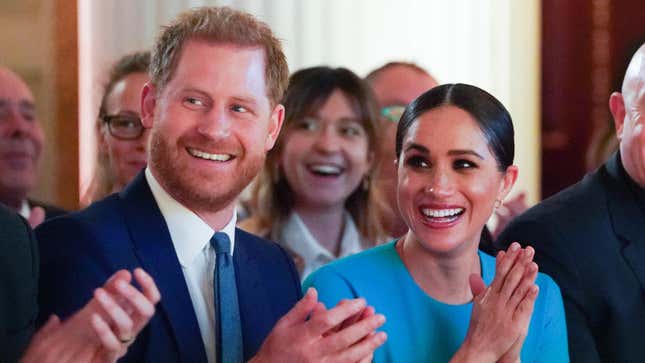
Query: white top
(296, 236)
(191, 238)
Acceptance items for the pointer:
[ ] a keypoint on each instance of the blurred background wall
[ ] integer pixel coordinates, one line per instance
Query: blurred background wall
(552, 63)
(493, 44)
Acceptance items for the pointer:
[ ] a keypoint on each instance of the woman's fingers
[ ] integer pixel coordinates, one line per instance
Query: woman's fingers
(525, 308)
(528, 280)
(514, 276)
(504, 263)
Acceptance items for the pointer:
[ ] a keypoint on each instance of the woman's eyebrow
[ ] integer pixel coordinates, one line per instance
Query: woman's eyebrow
(466, 152)
(418, 147)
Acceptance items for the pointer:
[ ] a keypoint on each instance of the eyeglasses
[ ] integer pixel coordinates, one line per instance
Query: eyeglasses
(393, 112)
(124, 127)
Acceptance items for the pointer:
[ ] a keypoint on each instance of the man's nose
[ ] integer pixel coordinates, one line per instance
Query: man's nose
(16, 123)
(215, 124)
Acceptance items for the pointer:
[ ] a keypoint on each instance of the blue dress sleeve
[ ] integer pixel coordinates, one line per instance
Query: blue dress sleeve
(331, 286)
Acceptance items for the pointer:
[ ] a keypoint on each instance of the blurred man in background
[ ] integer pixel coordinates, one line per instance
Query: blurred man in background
(21, 143)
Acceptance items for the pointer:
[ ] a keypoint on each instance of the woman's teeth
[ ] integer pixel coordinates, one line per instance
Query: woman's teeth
(325, 169)
(441, 213)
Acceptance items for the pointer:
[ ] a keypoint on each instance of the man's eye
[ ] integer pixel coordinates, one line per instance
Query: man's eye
(417, 162)
(29, 116)
(194, 101)
(238, 108)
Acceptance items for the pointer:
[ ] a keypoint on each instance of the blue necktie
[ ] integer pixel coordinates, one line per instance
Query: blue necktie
(229, 330)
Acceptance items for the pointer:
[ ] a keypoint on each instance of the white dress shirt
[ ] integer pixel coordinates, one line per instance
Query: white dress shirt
(24, 211)
(191, 238)
(296, 236)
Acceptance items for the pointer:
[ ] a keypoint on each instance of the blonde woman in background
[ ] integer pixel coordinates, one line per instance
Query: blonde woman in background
(315, 195)
(121, 138)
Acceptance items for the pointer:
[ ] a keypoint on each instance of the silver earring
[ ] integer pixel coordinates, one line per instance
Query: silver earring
(430, 189)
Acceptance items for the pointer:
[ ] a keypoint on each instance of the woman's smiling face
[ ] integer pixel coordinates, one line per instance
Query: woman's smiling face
(448, 180)
(325, 156)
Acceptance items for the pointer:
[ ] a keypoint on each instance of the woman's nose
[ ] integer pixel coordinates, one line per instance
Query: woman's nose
(327, 140)
(440, 183)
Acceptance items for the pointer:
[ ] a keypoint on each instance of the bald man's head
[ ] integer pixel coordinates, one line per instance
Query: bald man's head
(21, 139)
(628, 110)
(395, 85)
(398, 83)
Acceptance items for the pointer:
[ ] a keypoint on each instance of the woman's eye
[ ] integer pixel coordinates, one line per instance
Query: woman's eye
(307, 124)
(464, 164)
(352, 130)
(417, 162)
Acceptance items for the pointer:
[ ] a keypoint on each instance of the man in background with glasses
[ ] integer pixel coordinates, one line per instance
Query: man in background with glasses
(395, 84)
(21, 143)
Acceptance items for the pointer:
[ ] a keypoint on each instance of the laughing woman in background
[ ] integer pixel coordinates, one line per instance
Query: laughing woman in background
(314, 196)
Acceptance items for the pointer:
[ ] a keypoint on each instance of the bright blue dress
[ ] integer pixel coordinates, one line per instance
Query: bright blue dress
(422, 329)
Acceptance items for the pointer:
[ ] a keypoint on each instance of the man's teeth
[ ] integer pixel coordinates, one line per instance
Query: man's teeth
(325, 169)
(440, 213)
(204, 155)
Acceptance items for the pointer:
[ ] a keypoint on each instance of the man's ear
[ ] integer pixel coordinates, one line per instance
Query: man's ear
(617, 107)
(275, 125)
(148, 104)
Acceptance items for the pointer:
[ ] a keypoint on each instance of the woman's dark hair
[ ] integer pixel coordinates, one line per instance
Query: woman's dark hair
(308, 90)
(491, 116)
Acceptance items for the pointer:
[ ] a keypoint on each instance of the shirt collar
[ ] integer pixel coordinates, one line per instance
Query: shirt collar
(296, 237)
(24, 211)
(190, 234)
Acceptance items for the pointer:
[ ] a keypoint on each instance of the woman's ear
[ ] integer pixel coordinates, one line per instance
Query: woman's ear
(509, 179)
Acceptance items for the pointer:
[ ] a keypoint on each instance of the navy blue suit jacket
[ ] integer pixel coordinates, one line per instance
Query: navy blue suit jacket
(591, 239)
(79, 251)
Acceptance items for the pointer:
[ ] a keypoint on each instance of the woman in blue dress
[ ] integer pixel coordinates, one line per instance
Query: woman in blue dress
(444, 300)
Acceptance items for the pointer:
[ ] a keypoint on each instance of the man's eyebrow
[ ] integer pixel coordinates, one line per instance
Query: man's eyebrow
(247, 100)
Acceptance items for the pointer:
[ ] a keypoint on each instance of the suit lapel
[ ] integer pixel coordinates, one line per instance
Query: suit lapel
(626, 218)
(154, 248)
(252, 294)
